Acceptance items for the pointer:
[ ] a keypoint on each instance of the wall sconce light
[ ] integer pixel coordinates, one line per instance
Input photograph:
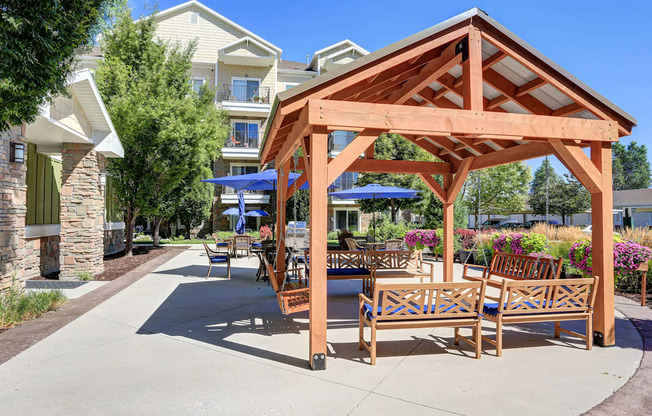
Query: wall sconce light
(17, 152)
(102, 179)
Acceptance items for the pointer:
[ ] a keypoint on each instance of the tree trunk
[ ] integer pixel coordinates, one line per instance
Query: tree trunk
(130, 223)
(187, 230)
(563, 219)
(156, 236)
(393, 210)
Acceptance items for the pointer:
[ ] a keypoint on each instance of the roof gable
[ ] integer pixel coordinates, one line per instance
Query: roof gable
(336, 49)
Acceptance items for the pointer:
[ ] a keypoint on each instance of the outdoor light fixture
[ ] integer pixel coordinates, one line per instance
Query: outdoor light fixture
(102, 179)
(17, 152)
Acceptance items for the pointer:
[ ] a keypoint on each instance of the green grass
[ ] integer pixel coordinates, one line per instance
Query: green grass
(17, 305)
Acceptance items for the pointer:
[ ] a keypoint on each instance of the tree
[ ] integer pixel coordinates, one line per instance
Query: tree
(300, 202)
(631, 168)
(545, 180)
(570, 197)
(394, 147)
(194, 206)
(170, 133)
(39, 39)
(497, 190)
(434, 213)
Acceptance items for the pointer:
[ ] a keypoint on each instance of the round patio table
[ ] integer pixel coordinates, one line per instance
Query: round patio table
(374, 246)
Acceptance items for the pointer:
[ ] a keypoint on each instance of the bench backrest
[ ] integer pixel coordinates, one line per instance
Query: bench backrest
(242, 240)
(395, 244)
(552, 295)
(341, 259)
(395, 259)
(271, 274)
(409, 301)
(520, 267)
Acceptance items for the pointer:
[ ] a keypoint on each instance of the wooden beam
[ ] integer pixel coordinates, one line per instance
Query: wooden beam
(472, 73)
(318, 312)
(283, 174)
(293, 141)
(393, 166)
(429, 73)
(579, 164)
(351, 152)
(497, 102)
(345, 115)
(457, 182)
(448, 237)
(301, 180)
(507, 88)
(493, 59)
(567, 110)
(602, 239)
(530, 86)
(449, 147)
(511, 155)
(425, 145)
(434, 186)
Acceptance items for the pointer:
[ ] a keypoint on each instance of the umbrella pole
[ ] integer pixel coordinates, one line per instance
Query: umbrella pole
(374, 202)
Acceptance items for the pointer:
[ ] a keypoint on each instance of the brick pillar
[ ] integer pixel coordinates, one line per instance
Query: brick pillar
(81, 244)
(13, 197)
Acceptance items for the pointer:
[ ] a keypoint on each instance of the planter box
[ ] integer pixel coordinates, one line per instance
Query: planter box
(466, 256)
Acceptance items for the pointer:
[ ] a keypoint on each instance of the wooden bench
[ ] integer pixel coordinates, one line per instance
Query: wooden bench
(399, 264)
(551, 300)
(293, 296)
(341, 265)
(515, 267)
(422, 305)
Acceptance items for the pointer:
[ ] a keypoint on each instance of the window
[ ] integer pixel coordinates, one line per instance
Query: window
(245, 89)
(244, 134)
(338, 140)
(346, 181)
(197, 83)
(289, 85)
(194, 18)
(239, 169)
(347, 220)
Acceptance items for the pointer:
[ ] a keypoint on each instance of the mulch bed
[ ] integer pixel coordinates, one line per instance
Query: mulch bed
(116, 265)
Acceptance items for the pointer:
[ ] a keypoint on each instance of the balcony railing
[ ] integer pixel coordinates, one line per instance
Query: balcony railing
(243, 139)
(244, 93)
(227, 190)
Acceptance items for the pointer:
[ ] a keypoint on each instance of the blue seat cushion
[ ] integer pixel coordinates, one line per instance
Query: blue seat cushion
(368, 310)
(491, 308)
(346, 272)
(219, 259)
(256, 244)
(222, 244)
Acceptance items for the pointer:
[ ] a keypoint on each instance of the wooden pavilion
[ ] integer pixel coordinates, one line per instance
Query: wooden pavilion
(474, 95)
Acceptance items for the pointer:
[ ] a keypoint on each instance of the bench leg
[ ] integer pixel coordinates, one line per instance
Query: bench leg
(477, 337)
(228, 270)
(209, 270)
(361, 334)
(643, 288)
(373, 344)
(589, 333)
(499, 338)
(457, 336)
(557, 331)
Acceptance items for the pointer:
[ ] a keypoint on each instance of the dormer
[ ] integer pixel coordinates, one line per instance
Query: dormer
(336, 55)
(246, 51)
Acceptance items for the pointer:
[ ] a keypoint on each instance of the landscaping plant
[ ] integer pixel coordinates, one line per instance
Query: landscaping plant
(422, 238)
(628, 255)
(519, 243)
(17, 305)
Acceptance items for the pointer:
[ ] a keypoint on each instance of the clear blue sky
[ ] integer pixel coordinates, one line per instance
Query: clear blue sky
(606, 44)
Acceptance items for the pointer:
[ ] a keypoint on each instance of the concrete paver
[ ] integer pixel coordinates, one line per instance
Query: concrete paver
(174, 342)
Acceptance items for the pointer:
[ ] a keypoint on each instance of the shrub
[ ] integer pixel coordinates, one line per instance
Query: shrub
(519, 243)
(224, 235)
(84, 275)
(439, 248)
(18, 306)
(422, 238)
(386, 229)
(628, 255)
(467, 238)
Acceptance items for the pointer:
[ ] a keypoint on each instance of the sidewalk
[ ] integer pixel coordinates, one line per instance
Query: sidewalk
(174, 342)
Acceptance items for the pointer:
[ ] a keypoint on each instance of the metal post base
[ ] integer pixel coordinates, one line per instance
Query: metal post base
(598, 339)
(318, 362)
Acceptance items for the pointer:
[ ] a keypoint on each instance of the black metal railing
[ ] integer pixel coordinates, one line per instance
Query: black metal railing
(244, 93)
(243, 139)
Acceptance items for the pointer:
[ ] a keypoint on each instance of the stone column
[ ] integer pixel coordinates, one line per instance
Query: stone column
(81, 244)
(13, 197)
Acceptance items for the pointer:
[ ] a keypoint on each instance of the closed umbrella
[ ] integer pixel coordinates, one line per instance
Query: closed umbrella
(240, 226)
(375, 191)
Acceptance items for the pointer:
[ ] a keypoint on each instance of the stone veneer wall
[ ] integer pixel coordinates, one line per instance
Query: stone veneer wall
(13, 195)
(82, 212)
(114, 241)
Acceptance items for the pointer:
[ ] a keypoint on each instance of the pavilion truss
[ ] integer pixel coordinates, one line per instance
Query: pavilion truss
(472, 94)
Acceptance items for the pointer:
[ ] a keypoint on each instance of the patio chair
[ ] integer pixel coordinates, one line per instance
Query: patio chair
(215, 257)
(352, 244)
(242, 243)
(395, 244)
(222, 244)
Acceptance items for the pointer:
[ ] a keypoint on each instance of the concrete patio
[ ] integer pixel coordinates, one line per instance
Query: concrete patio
(175, 343)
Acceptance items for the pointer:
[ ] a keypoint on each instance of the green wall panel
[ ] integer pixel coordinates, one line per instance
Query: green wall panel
(43, 187)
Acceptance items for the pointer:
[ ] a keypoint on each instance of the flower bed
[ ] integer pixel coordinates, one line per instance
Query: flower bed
(628, 256)
(519, 243)
(422, 238)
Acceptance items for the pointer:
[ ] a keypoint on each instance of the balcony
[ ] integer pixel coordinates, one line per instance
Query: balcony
(229, 196)
(245, 100)
(242, 144)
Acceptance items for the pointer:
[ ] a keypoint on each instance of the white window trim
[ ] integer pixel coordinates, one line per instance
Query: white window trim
(291, 85)
(347, 210)
(191, 16)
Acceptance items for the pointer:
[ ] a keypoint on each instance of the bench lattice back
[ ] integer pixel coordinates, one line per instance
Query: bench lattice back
(401, 301)
(396, 259)
(563, 295)
(520, 267)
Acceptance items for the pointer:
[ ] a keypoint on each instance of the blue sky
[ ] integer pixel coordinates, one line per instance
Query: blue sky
(605, 44)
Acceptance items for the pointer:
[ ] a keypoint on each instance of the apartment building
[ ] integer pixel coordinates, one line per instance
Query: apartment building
(247, 72)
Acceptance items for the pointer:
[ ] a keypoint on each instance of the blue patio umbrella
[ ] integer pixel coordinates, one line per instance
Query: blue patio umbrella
(257, 213)
(231, 211)
(240, 226)
(375, 191)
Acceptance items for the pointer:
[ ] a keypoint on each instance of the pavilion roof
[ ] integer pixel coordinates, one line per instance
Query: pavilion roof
(516, 79)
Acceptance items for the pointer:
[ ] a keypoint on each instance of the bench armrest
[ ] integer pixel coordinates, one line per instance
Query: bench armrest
(432, 269)
(485, 269)
(298, 271)
(364, 299)
(475, 278)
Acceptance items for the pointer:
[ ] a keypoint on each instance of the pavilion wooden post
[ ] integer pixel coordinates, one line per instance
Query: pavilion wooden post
(447, 252)
(602, 239)
(318, 180)
(281, 190)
